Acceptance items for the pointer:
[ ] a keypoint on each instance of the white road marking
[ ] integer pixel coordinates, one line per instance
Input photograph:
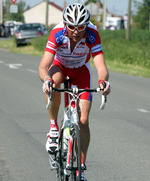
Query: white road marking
(17, 66)
(31, 70)
(14, 66)
(143, 110)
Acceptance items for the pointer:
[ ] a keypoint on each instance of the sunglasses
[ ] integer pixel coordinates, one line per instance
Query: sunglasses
(78, 28)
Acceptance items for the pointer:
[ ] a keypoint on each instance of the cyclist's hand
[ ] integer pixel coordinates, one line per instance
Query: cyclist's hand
(46, 84)
(105, 86)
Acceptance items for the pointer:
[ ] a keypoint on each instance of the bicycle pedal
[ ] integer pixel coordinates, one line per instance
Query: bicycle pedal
(54, 165)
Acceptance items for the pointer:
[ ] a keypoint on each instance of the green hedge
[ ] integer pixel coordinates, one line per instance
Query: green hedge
(136, 51)
(40, 43)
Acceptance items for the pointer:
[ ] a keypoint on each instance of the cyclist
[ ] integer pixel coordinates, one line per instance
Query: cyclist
(67, 53)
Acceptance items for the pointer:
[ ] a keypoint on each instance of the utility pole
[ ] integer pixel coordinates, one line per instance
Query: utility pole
(97, 14)
(104, 14)
(91, 8)
(129, 20)
(1, 11)
(47, 12)
(65, 4)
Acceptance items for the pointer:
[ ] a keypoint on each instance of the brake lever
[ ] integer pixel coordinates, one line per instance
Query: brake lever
(50, 84)
(104, 97)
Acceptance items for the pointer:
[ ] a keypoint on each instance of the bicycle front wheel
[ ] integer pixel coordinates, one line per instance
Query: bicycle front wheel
(76, 155)
(62, 160)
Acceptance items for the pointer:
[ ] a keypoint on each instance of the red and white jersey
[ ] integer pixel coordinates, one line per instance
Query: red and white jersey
(59, 44)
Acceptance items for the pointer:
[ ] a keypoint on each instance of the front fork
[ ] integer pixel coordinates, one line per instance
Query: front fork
(68, 165)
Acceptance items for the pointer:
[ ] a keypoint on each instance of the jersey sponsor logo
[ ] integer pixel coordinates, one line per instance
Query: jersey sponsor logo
(64, 46)
(91, 36)
(70, 61)
(59, 36)
(80, 54)
(81, 45)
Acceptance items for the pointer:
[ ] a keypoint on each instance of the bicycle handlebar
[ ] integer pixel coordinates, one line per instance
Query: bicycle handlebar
(75, 90)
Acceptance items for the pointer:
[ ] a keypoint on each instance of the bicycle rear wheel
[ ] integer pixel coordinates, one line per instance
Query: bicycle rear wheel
(76, 155)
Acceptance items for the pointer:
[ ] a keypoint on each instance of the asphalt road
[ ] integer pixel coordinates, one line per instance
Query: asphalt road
(120, 134)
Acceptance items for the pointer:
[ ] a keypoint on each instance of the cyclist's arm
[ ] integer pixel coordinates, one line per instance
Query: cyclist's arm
(102, 70)
(101, 67)
(45, 65)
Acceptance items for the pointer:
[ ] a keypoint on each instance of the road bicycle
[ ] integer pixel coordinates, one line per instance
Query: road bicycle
(68, 161)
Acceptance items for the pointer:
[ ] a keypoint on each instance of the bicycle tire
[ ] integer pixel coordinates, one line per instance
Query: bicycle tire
(76, 155)
(61, 159)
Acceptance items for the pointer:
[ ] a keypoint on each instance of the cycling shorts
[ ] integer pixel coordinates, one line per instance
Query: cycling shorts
(78, 76)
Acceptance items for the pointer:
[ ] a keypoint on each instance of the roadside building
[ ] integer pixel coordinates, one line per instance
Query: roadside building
(113, 21)
(37, 13)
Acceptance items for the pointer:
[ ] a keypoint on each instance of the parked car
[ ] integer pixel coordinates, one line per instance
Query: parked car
(28, 31)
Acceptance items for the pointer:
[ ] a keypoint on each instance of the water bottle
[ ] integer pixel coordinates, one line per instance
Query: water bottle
(65, 138)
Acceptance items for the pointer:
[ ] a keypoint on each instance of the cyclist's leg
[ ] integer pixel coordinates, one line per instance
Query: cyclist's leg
(52, 141)
(57, 74)
(85, 106)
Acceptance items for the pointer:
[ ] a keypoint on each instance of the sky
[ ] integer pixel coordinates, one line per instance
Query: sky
(119, 7)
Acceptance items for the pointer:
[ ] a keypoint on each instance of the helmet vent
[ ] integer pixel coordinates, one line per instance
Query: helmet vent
(82, 7)
(70, 19)
(76, 13)
(70, 8)
(81, 19)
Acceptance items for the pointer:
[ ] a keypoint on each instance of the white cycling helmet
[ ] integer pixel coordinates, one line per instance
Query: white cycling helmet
(76, 14)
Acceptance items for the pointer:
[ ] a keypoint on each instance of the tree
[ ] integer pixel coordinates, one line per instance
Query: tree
(14, 16)
(142, 17)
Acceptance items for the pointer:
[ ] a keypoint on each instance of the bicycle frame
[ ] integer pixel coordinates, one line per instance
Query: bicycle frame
(71, 120)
